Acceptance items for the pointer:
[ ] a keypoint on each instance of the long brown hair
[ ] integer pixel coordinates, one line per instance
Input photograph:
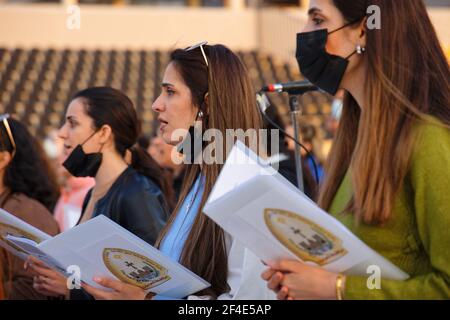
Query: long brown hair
(407, 79)
(231, 105)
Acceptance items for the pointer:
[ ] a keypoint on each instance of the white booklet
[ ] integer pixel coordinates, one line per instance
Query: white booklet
(13, 226)
(101, 247)
(275, 220)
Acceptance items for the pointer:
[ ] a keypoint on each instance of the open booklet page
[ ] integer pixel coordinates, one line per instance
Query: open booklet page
(13, 226)
(275, 220)
(100, 247)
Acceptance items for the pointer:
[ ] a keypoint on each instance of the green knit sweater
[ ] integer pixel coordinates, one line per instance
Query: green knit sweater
(417, 237)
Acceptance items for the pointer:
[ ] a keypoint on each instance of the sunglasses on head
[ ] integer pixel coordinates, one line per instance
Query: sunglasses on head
(200, 45)
(4, 120)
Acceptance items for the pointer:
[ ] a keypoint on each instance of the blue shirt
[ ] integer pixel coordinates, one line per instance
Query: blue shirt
(320, 172)
(173, 242)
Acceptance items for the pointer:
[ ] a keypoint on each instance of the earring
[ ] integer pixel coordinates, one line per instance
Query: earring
(360, 49)
(200, 114)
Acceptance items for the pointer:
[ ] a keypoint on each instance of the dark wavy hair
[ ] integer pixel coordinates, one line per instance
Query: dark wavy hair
(29, 172)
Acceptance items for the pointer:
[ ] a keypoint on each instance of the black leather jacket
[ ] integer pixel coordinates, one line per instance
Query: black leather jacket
(136, 203)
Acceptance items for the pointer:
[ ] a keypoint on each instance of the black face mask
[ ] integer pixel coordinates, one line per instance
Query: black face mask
(80, 164)
(321, 68)
(192, 145)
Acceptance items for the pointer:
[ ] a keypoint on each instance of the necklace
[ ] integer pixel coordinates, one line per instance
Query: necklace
(189, 204)
(193, 195)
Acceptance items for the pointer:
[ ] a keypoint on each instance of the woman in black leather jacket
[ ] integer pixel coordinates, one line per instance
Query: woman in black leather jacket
(100, 134)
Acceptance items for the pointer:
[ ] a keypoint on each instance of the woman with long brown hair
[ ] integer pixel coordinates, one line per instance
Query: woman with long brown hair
(388, 172)
(211, 84)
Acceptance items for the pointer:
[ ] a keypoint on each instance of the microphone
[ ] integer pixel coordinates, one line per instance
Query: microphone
(294, 87)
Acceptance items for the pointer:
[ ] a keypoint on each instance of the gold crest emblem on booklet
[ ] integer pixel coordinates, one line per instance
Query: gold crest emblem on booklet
(304, 238)
(6, 229)
(133, 268)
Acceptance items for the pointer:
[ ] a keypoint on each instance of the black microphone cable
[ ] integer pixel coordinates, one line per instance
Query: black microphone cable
(309, 155)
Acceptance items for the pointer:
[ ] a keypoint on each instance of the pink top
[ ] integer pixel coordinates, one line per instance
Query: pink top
(68, 207)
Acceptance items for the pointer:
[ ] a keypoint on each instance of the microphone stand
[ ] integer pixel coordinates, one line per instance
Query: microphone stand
(294, 107)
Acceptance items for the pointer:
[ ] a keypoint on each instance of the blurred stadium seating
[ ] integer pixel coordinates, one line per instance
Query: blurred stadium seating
(36, 84)
(43, 62)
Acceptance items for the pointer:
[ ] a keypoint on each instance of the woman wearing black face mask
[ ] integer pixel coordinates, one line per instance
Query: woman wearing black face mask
(100, 134)
(323, 69)
(388, 171)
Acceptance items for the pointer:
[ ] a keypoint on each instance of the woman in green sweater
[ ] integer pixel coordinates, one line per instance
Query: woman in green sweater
(388, 174)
